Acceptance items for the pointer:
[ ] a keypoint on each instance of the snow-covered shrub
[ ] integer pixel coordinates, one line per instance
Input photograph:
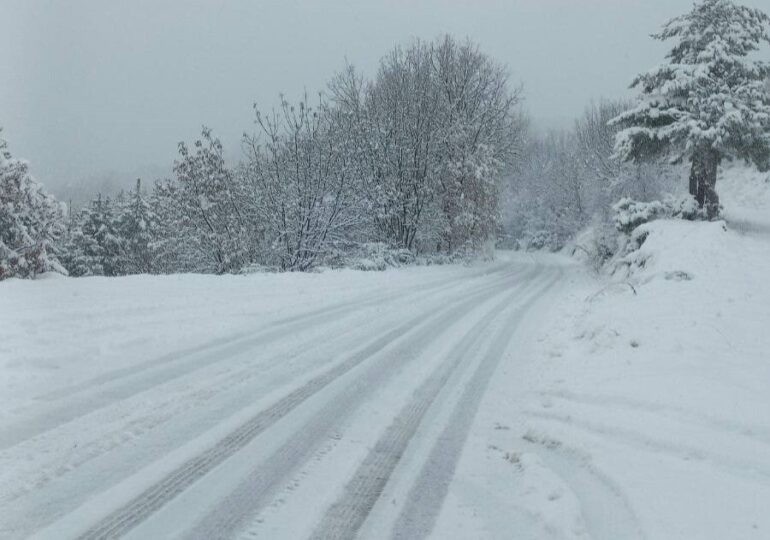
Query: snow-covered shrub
(378, 256)
(597, 244)
(542, 240)
(628, 214)
(685, 207)
(256, 268)
(640, 256)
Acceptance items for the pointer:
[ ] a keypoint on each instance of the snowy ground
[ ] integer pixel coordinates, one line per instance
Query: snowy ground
(208, 407)
(643, 415)
(523, 398)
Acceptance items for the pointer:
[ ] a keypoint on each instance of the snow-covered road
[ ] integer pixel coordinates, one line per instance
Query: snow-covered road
(314, 415)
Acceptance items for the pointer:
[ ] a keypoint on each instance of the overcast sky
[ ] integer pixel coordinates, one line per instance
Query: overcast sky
(107, 88)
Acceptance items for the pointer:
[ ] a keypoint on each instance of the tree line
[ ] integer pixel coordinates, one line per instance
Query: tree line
(411, 161)
(431, 157)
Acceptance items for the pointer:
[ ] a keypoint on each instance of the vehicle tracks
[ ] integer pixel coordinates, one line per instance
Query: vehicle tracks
(348, 513)
(99, 392)
(405, 337)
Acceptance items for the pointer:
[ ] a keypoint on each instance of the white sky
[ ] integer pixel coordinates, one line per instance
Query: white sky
(95, 88)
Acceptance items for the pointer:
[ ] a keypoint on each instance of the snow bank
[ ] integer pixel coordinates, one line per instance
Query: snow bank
(647, 397)
(745, 195)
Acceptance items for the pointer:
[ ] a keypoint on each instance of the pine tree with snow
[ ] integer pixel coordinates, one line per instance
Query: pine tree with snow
(81, 250)
(175, 247)
(707, 102)
(31, 222)
(94, 247)
(136, 225)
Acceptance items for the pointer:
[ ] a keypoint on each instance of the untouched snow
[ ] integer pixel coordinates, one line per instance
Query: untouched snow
(525, 398)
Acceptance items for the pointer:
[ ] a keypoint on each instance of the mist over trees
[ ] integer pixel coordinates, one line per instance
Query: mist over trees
(431, 159)
(567, 180)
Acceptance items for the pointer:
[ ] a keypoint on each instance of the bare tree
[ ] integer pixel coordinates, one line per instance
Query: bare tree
(609, 178)
(302, 172)
(438, 128)
(210, 206)
(480, 134)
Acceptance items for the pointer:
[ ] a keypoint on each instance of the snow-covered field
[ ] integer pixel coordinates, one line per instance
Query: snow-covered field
(521, 398)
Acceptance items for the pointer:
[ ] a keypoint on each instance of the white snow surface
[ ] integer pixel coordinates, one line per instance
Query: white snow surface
(644, 410)
(521, 398)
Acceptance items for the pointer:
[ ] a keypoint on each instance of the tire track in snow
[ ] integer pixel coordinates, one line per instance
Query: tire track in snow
(88, 449)
(64, 475)
(122, 520)
(345, 517)
(214, 345)
(429, 490)
(607, 512)
(636, 439)
(258, 489)
(84, 398)
(280, 373)
(756, 433)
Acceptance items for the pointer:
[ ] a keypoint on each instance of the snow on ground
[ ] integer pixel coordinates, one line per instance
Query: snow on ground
(58, 332)
(112, 389)
(643, 409)
(525, 398)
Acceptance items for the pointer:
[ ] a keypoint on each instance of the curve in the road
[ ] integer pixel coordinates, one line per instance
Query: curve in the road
(345, 517)
(151, 500)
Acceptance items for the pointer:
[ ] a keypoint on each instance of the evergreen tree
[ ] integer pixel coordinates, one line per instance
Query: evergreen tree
(81, 250)
(175, 247)
(136, 225)
(707, 102)
(31, 222)
(93, 247)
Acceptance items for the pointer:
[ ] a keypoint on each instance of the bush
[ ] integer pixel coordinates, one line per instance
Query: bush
(597, 244)
(628, 214)
(377, 256)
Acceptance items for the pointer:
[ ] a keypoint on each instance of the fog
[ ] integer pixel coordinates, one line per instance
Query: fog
(101, 92)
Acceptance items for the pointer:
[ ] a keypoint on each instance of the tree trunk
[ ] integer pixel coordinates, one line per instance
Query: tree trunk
(703, 179)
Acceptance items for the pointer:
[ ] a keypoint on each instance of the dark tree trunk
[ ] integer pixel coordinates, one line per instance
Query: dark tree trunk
(703, 179)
